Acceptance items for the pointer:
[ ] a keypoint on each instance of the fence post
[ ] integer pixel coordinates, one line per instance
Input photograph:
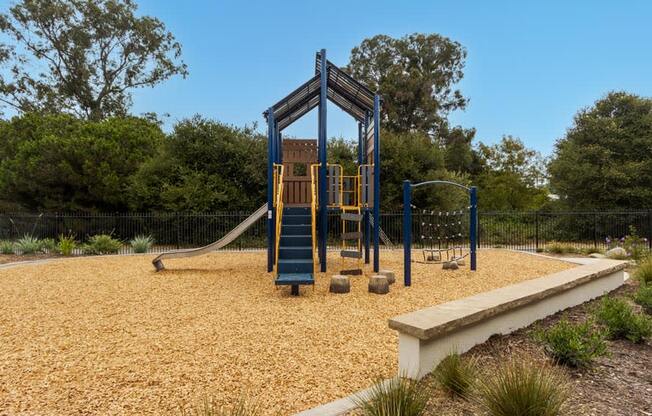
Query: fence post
(473, 194)
(176, 222)
(536, 231)
(595, 230)
(649, 229)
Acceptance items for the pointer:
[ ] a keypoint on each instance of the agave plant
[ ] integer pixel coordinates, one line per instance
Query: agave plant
(28, 244)
(142, 243)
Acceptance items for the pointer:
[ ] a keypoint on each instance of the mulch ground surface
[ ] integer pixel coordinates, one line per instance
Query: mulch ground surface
(12, 258)
(110, 336)
(617, 385)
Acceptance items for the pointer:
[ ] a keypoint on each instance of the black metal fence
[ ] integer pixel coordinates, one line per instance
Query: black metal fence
(517, 230)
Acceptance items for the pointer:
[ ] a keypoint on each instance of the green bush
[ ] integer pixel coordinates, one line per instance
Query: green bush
(6, 247)
(560, 248)
(644, 271)
(102, 244)
(644, 297)
(575, 345)
(142, 243)
(66, 244)
(523, 389)
(48, 245)
(456, 375)
(618, 316)
(210, 407)
(28, 244)
(398, 396)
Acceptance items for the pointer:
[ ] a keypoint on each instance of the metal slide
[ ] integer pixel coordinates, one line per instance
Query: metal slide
(383, 237)
(228, 238)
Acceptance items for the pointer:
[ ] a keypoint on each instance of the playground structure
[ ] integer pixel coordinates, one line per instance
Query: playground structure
(303, 187)
(297, 214)
(450, 234)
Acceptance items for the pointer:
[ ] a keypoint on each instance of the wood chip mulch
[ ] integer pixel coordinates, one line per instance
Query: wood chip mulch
(109, 336)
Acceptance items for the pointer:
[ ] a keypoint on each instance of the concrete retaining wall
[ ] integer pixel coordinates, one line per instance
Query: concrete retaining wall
(428, 335)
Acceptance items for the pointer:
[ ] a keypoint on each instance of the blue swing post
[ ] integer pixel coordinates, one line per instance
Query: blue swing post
(407, 233)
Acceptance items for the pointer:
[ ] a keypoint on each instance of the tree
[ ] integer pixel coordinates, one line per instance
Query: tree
(458, 151)
(511, 177)
(512, 156)
(416, 75)
(58, 162)
(82, 56)
(204, 166)
(343, 153)
(604, 162)
(413, 156)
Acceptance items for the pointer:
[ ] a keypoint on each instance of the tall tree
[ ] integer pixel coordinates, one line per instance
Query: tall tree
(604, 162)
(512, 176)
(84, 57)
(416, 75)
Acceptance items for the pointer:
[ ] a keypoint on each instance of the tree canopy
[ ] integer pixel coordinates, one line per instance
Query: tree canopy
(205, 165)
(604, 162)
(416, 74)
(83, 57)
(58, 162)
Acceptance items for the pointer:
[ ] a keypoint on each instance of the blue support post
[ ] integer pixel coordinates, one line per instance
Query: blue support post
(366, 224)
(270, 189)
(376, 183)
(473, 225)
(407, 233)
(323, 196)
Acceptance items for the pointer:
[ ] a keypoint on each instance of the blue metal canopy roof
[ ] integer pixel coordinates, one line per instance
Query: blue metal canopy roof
(348, 94)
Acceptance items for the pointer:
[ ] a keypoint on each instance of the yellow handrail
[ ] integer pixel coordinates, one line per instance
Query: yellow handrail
(278, 203)
(314, 171)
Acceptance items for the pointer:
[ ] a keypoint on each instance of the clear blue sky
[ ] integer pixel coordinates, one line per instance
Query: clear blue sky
(530, 66)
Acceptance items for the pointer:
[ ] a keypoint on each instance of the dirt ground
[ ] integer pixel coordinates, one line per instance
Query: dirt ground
(617, 385)
(110, 336)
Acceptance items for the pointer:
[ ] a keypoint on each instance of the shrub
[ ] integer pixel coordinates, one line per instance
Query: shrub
(621, 321)
(210, 407)
(142, 243)
(48, 245)
(634, 245)
(66, 244)
(575, 345)
(456, 375)
(28, 244)
(6, 247)
(523, 389)
(397, 396)
(644, 271)
(560, 248)
(102, 244)
(644, 297)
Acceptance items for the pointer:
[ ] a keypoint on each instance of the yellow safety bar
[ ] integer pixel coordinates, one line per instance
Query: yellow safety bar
(278, 203)
(314, 171)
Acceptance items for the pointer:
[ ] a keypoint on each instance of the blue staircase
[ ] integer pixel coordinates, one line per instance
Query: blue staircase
(295, 263)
